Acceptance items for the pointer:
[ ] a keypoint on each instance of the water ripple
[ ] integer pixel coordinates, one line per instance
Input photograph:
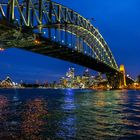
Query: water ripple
(35, 114)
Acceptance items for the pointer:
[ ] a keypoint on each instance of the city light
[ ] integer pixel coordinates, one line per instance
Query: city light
(78, 91)
(1, 49)
(37, 41)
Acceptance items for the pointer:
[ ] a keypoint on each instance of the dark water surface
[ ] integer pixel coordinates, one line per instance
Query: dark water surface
(45, 114)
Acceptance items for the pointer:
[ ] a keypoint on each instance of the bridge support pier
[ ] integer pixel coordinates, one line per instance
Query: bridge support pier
(123, 77)
(118, 79)
(113, 80)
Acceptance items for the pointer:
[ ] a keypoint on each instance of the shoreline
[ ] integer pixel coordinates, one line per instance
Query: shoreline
(96, 89)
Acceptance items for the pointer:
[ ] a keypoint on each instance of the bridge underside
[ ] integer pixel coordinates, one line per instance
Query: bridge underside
(9, 37)
(62, 52)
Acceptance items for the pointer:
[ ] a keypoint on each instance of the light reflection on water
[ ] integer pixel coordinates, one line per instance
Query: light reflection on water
(67, 125)
(34, 118)
(36, 114)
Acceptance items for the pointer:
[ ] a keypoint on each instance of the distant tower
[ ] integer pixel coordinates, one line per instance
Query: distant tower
(70, 73)
(123, 78)
(86, 73)
(100, 75)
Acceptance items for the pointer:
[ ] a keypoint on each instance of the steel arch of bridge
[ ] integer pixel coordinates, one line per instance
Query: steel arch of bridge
(59, 22)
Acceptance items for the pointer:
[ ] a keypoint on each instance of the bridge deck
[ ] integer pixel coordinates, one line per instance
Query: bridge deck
(56, 50)
(49, 48)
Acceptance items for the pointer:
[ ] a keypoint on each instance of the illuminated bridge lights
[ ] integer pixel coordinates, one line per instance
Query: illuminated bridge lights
(1, 49)
(37, 42)
(51, 24)
(62, 19)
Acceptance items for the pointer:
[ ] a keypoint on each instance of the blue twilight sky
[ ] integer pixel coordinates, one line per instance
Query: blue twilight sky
(117, 20)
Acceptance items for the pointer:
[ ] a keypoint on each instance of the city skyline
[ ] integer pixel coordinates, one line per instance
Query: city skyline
(28, 66)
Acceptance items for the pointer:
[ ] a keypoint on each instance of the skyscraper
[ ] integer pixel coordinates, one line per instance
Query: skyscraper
(70, 74)
(86, 73)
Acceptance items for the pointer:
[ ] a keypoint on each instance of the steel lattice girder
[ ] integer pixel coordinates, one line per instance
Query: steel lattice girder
(43, 13)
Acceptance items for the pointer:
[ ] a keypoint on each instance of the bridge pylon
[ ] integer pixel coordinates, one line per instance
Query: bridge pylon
(122, 76)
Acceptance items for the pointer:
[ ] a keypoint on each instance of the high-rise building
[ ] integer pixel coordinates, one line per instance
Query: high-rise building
(70, 74)
(86, 73)
(99, 77)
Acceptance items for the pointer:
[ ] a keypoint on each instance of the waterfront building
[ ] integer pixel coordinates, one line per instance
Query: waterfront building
(70, 74)
(86, 73)
(70, 80)
(138, 79)
(7, 83)
(63, 82)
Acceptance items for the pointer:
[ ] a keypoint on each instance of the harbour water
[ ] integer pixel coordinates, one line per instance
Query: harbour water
(66, 114)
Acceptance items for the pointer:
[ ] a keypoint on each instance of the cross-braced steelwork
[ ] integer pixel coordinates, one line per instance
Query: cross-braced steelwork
(52, 29)
(62, 25)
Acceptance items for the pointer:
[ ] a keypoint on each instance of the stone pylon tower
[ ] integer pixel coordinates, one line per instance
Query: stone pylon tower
(122, 77)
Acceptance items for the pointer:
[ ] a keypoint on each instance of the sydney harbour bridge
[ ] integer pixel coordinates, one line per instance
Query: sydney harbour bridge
(51, 29)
